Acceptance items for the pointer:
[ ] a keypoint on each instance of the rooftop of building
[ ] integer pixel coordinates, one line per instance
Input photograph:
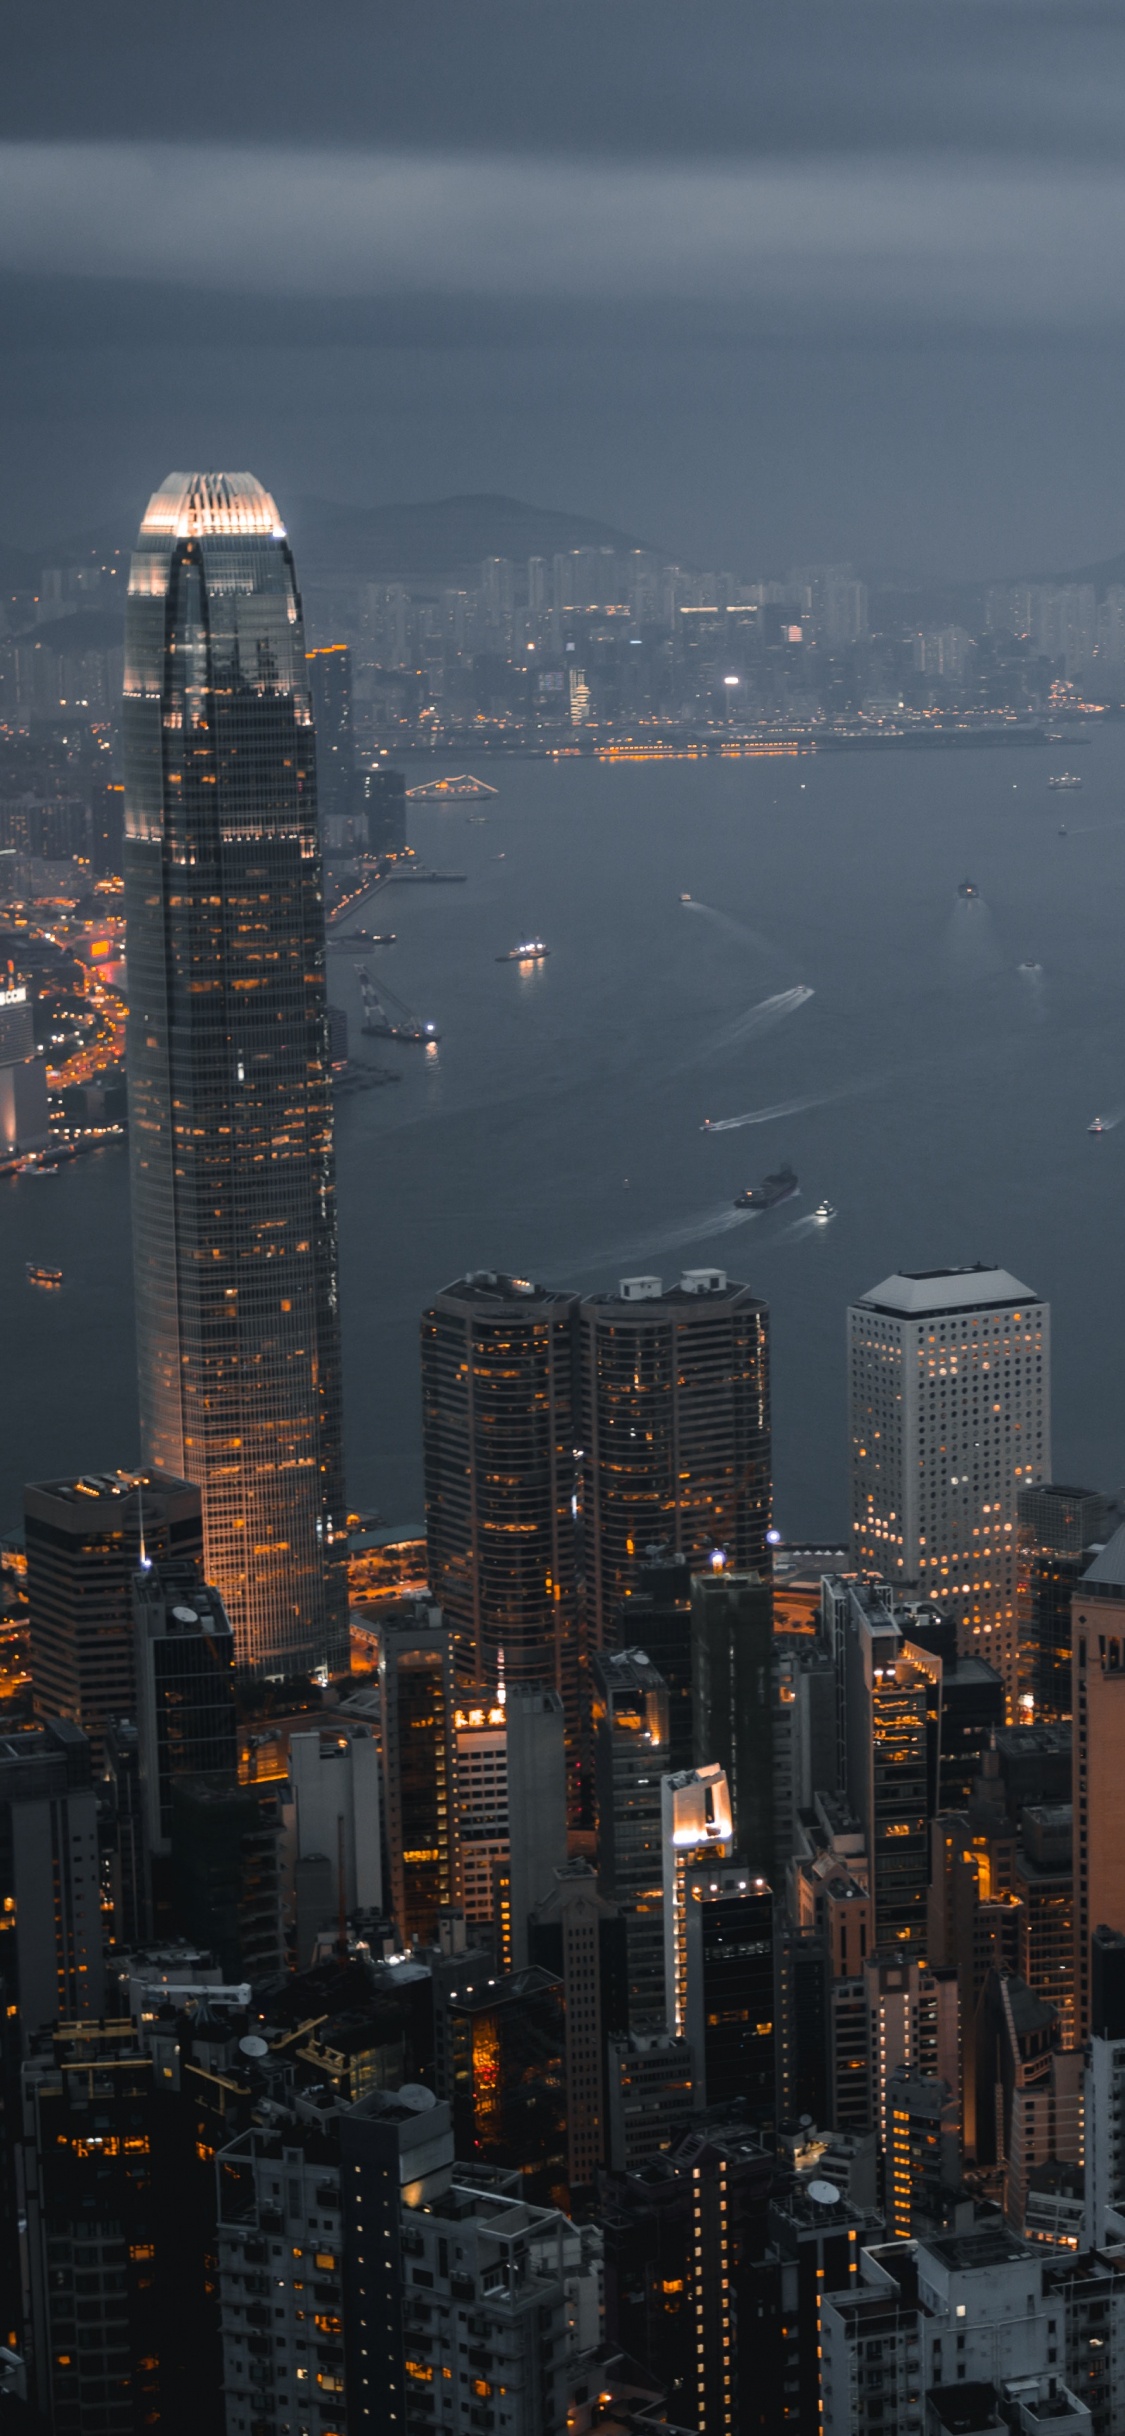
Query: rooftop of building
(963, 2410)
(922, 1293)
(628, 1670)
(985, 2246)
(82, 1491)
(637, 1296)
(191, 506)
(1108, 1569)
(494, 1292)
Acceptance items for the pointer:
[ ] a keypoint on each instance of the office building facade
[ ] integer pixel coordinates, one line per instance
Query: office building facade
(630, 1750)
(734, 1671)
(675, 1431)
(186, 1717)
(949, 1383)
(1098, 1627)
(416, 1685)
(499, 1438)
(1057, 1531)
(229, 1086)
(85, 1538)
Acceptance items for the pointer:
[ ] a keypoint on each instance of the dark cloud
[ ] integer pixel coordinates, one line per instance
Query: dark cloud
(761, 282)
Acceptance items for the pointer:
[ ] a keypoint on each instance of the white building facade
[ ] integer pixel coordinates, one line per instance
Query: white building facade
(949, 1396)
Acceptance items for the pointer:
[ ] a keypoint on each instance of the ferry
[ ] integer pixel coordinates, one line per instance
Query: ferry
(532, 952)
(1099, 1126)
(49, 1280)
(1063, 780)
(462, 789)
(781, 1186)
(823, 1212)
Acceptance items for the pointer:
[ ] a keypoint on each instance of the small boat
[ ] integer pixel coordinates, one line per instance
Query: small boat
(34, 1165)
(49, 1280)
(968, 888)
(1099, 1126)
(823, 1212)
(1063, 780)
(1034, 969)
(684, 897)
(531, 952)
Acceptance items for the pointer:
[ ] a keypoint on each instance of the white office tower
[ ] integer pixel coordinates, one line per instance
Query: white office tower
(949, 1396)
(696, 1825)
(334, 1776)
(972, 2309)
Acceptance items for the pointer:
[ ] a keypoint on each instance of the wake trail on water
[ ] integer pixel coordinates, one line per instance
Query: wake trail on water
(718, 1219)
(736, 929)
(761, 1018)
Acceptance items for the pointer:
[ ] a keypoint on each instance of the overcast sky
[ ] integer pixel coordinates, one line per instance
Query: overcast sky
(758, 284)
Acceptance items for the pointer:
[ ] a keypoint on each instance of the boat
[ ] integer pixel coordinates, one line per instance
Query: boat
(381, 1024)
(35, 1165)
(1062, 829)
(362, 938)
(464, 788)
(823, 1212)
(532, 952)
(49, 1280)
(781, 1186)
(684, 897)
(968, 888)
(1063, 780)
(1099, 1126)
(1034, 969)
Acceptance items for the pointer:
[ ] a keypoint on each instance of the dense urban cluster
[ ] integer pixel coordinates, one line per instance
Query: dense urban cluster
(594, 1967)
(580, 648)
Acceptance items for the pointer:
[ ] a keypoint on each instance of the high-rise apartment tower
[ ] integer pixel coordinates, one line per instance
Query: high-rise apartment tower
(949, 1388)
(676, 1431)
(229, 1088)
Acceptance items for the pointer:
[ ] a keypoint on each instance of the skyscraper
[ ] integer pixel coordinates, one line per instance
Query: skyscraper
(416, 1688)
(230, 1107)
(499, 1437)
(1099, 1778)
(733, 1654)
(1056, 1534)
(630, 1752)
(676, 1430)
(949, 1388)
(330, 681)
(85, 1538)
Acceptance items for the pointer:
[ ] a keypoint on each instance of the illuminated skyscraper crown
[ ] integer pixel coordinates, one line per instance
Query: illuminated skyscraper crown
(191, 505)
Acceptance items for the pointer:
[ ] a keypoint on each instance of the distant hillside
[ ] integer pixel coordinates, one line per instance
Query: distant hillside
(432, 537)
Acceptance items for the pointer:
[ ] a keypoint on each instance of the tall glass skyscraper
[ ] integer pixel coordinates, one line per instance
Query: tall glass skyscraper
(230, 1100)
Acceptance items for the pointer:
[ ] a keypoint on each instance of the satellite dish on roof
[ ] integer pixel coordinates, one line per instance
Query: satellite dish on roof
(825, 2194)
(185, 1615)
(413, 2094)
(257, 2047)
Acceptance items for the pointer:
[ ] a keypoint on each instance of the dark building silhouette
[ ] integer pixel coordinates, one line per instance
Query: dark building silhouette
(733, 1701)
(630, 1758)
(379, 797)
(416, 1682)
(499, 1424)
(330, 683)
(731, 2019)
(84, 1540)
(580, 1939)
(508, 2048)
(230, 1107)
(675, 1431)
(1057, 1532)
(656, 1617)
(186, 1715)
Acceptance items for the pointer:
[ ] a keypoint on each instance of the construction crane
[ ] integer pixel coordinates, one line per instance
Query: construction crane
(380, 1023)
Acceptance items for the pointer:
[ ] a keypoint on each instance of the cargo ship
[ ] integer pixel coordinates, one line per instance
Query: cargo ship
(48, 1280)
(532, 952)
(781, 1186)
